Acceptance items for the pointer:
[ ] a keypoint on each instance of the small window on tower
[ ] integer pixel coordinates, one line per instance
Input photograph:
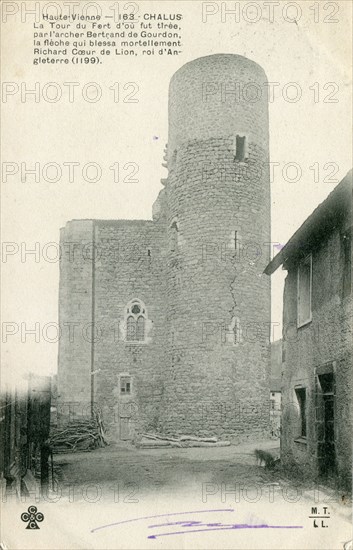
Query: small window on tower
(240, 148)
(237, 331)
(125, 384)
(346, 240)
(173, 238)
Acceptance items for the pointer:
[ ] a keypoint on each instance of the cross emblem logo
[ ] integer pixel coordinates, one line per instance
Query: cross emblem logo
(32, 517)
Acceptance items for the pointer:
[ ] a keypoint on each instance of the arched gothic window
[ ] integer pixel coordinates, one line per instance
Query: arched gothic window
(135, 315)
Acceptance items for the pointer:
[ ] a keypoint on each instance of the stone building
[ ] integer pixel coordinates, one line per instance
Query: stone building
(165, 322)
(317, 340)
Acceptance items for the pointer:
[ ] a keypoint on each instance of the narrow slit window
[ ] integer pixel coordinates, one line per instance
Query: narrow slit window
(174, 229)
(237, 331)
(301, 397)
(240, 145)
(304, 295)
(347, 265)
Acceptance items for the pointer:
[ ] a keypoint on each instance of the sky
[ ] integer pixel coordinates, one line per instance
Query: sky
(313, 132)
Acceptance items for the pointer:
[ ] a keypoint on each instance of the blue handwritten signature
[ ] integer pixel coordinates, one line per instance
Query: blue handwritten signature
(194, 526)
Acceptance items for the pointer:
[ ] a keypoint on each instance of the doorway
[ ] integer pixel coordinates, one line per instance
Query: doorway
(125, 428)
(326, 424)
(126, 407)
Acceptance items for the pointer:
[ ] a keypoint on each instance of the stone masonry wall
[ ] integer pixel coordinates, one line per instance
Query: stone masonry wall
(217, 374)
(327, 338)
(75, 320)
(130, 267)
(214, 385)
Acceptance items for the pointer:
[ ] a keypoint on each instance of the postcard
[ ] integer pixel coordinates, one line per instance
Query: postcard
(176, 275)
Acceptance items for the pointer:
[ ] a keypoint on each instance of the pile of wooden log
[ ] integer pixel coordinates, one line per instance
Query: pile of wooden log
(149, 440)
(78, 435)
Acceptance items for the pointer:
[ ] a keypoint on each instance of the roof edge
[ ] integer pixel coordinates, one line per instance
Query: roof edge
(308, 226)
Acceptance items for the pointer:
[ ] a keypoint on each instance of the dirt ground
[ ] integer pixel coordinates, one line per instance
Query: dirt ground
(127, 498)
(163, 470)
(125, 473)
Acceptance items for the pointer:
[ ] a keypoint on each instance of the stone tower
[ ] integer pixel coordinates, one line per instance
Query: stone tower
(218, 226)
(165, 322)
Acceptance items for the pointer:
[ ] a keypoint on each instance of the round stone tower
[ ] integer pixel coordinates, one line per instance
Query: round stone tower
(218, 197)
